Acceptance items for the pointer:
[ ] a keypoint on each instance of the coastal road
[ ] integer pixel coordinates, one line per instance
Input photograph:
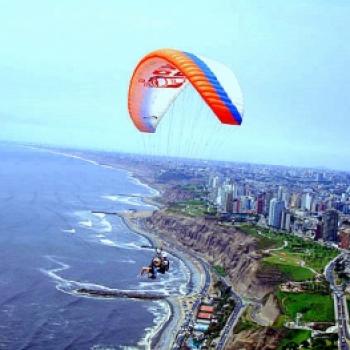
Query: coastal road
(233, 319)
(206, 269)
(230, 325)
(340, 307)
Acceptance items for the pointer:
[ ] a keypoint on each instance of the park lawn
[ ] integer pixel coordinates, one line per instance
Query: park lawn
(296, 336)
(283, 257)
(192, 208)
(315, 258)
(266, 241)
(317, 261)
(293, 273)
(280, 321)
(313, 307)
(289, 266)
(315, 255)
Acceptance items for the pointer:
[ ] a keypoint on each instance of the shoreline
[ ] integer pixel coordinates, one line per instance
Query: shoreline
(164, 335)
(171, 326)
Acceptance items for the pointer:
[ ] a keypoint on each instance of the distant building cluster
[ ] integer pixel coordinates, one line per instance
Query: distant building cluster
(305, 202)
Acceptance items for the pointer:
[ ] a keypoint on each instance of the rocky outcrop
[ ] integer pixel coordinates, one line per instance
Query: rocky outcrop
(260, 339)
(223, 245)
(119, 293)
(175, 194)
(270, 309)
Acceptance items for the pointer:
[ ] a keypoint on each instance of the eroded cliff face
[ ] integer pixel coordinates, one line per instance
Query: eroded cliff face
(175, 194)
(236, 251)
(270, 310)
(261, 339)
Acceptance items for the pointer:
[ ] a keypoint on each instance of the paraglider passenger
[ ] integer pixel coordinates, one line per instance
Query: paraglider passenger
(153, 268)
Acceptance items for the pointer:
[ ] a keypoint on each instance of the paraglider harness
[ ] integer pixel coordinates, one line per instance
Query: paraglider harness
(159, 264)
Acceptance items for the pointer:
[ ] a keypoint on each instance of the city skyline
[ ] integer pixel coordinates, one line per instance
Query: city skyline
(65, 70)
(310, 206)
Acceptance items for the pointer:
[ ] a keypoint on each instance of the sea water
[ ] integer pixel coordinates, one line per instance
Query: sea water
(52, 243)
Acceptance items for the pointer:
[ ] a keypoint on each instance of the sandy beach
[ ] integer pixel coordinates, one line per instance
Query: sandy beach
(179, 306)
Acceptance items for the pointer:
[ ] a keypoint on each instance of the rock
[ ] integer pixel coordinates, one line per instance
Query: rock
(261, 339)
(115, 293)
(270, 310)
(236, 251)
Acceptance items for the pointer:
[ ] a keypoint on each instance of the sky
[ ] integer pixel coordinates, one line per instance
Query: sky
(65, 67)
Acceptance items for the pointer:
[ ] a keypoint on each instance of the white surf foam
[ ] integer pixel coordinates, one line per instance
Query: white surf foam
(69, 155)
(106, 226)
(161, 312)
(72, 230)
(87, 223)
(107, 166)
(71, 287)
(131, 245)
(132, 200)
(136, 181)
(108, 242)
(128, 261)
(153, 192)
(99, 215)
(97, 221)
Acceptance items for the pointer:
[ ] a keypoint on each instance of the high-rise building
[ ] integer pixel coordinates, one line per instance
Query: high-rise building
(319, 177)
(280, 193)
(235, 190)
(229, 202)
(260, 203)
(343, 197)
(288, 222)
(214, 184)
(286, 198)
(286, 219)
(295, 201)
(319, 229)
(330, 220)
(275, 212)
(214, 181)
(247, 203)
(236, 206)
(315, 207)
(346, 209)
(268, 197)
(306, 201)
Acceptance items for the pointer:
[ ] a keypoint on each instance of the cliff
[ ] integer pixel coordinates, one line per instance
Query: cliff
(222, 245)
(260, 339)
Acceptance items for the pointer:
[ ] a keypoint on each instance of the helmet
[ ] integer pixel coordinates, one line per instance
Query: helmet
(156, 261)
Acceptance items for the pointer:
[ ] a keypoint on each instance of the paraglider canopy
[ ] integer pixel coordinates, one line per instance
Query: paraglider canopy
(161, 75)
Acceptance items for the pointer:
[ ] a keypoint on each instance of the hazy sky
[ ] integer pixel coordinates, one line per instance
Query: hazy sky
(65, 67)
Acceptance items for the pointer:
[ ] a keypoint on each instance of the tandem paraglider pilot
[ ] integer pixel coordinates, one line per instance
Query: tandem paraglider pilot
(159, 264)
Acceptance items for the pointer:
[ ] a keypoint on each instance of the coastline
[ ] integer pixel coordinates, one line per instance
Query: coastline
(160, 336)
(165, 335)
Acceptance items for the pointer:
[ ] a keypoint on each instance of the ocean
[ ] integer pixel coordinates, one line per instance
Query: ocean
(52, 245)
